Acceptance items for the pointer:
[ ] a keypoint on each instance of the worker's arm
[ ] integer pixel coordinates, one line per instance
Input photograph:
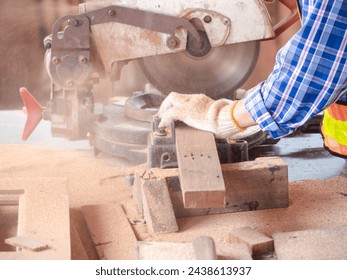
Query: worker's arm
(310, 71)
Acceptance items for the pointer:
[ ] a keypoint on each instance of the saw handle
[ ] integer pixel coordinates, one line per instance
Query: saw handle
(33, 111)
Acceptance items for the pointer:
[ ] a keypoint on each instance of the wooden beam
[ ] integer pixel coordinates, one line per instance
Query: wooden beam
(201, 177)
(157, 207)
(152, 250)
(257, 242)
(110, 230)
(26, 243)
(313, 244)
(204, 248)
(43, 215)
(250, 185)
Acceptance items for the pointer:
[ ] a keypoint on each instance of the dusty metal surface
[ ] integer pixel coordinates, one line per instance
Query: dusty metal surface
(305, 156)
(304, 153)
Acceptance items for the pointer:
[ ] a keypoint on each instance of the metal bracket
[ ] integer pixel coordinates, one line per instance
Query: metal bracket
(144, 19)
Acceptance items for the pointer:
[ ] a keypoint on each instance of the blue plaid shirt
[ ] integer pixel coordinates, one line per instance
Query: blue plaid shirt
(310, 72)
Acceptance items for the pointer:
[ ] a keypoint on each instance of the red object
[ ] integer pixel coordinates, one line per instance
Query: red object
(33, 110)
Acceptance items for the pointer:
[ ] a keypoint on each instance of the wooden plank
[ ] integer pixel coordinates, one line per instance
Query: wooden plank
(257, 242)
(26, 242)
(77, 249)
(110, 230)
(201, 177)
(158, 212)
(51, 225)
(228, 251)
(314, 244)
(10, 197)
(258, 184)
(152, 250)
(204, 248)
(250, 185)
(80, 233)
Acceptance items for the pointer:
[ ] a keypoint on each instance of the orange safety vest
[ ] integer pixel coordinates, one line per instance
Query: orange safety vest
(334, 129)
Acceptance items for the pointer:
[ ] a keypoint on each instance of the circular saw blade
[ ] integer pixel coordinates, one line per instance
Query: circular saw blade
(217, 74)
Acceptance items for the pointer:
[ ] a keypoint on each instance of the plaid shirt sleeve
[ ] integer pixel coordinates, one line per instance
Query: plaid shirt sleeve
(310, 71)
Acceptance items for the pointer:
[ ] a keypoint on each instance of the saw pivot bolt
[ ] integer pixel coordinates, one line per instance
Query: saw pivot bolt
(207, 19)
(172, 42)
(72, 22)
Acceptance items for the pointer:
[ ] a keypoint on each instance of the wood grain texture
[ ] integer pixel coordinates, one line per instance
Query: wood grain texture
(201, 177)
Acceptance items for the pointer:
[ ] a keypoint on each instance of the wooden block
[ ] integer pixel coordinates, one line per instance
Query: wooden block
(227, 251)
(10, 197)
(110, 230)
(77, 249)
(201, 178)
(11, 255)
(81, 234)
(257, 242)
(251, 185)
(258, 184)
(151, 250)
(157, 208)
(43, 214)
(315, 244)
(204, 248)
(26, 243)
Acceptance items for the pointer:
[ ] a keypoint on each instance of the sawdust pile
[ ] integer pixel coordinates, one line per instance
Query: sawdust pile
(95, 180)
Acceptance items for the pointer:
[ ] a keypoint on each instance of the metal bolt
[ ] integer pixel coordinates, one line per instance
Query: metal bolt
(82, 59)
(69, 83)
(72, 22)
(55, 60)
(111, 12)
(47, 45)
(160, 132)
(172, 42)
(207, 19)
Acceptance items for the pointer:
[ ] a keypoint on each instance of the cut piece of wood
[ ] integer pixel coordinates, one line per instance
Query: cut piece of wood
(157, 208)
(26, 243)
(251, 185)
(43, 214)
(110, 231)
(10, 197)
(314, 244)
(257, 242)
(77, 249)
(151, 250)
(258, 184)
(80, 233)
(201, 177)
(204, 248)
(237, 251)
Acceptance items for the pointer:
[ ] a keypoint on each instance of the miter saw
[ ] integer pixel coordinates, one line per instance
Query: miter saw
(201, 46)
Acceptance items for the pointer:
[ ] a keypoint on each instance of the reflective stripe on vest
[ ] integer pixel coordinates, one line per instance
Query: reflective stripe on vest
(334, 129)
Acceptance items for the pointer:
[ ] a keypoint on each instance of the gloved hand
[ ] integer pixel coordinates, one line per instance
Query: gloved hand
(201, 112)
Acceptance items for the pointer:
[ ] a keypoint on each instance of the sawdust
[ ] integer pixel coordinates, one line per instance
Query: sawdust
(94, 180)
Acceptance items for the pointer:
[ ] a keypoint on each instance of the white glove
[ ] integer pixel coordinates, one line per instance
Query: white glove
(200, 112)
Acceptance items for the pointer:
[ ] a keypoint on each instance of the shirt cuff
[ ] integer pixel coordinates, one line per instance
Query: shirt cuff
(256, 106)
